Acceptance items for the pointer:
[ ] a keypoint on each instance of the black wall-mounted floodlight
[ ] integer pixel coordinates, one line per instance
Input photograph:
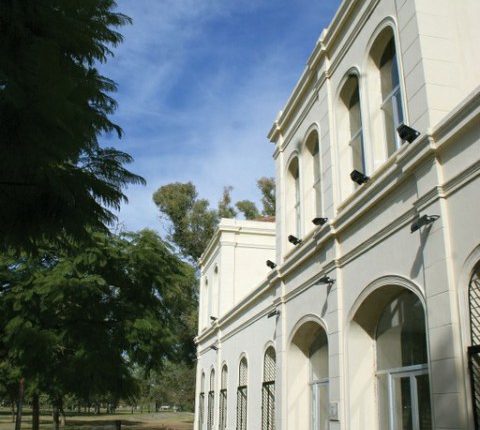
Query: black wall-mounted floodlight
(271, 264)
(215, 348)
(294, 240)
(319, 220)
(422, 221)
(407, 133)
(213, 319)
(273, 313)
(326, 280)
(358, 177)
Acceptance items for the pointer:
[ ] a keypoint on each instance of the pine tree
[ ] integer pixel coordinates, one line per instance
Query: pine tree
(55, 178)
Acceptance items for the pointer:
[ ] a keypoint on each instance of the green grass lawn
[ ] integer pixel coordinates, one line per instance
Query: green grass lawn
(135, 421)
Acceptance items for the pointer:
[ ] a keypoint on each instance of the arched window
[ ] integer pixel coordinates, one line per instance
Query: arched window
(223, 398)
(201, 402)
(268, 390)
(391, 97)
(307, 378)
(242, 395)
(402, 369)
(211, 401)
(293, 199)
(311, 176)
(385, 95)
(474, 348)
(351, 142)
(208, 303)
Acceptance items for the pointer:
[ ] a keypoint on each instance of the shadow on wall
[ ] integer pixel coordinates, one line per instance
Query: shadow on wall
(418, 260)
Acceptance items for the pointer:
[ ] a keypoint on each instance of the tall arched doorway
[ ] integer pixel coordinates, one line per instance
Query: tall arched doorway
(308, 397)
(388, 362)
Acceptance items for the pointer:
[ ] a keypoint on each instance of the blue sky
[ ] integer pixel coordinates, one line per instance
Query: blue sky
(200, 84)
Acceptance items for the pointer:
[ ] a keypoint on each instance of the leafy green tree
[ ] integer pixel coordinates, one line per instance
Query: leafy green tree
(192, 221)
(55, 178)
(225, 208)
(77, 323)
(267, 189)
(173, 385)
(248, 209)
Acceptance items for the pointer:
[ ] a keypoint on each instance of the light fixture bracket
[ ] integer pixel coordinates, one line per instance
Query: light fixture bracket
(320, 220)
(422, 221)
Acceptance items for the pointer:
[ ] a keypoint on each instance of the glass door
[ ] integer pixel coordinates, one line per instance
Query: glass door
(320, 405)
(409, 398)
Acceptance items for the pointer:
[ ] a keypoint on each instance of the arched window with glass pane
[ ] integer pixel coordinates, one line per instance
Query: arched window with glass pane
(350, 129)
(211, 401)
(201, 402)
(293, 198)
(242, 393)
(223, 398)
(312, 199)
(391, 96)
(268, 389)
(385, 99)
(402, 365)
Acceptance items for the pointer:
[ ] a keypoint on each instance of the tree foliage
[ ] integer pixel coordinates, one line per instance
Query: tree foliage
(192, 222)
(78, 323)
(225, 208)
(248, 209)
(267, 189)
(55, 178)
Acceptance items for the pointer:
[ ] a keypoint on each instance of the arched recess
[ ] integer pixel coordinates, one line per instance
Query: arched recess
(351, 149)
(311, 177)
(293, 217)
(388, 373)
(385, 92)
(307, 377)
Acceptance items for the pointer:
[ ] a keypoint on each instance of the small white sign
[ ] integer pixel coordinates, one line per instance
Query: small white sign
(333, 411)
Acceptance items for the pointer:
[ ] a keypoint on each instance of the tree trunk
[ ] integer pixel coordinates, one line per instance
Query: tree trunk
(35, 412)
(56, 417)
(13, 411)
(62, 412)
(21, 390)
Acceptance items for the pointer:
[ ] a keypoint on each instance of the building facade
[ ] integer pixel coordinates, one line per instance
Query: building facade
(369, 316)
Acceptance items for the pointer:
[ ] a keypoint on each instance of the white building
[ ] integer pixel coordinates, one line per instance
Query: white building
(372, 321)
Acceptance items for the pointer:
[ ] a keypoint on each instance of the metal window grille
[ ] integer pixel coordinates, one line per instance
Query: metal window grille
(223, 408)
(242, 395)
(223, 399)
(474, 349)
(268, 390)
(201, 405)
(242, 408)
(268, 405)
(211, 401)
